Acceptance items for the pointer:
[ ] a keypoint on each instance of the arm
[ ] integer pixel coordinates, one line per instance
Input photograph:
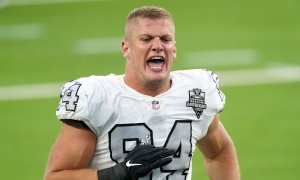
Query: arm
(219, 153)
(71, 154)
(73, 150)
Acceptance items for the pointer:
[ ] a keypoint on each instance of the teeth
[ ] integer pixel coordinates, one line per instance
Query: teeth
(156, 58)
(156, 63)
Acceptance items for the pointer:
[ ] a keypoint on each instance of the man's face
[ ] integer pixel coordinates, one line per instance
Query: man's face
(149, 49)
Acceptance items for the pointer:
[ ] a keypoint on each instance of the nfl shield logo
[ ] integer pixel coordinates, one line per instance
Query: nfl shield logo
(155, 105)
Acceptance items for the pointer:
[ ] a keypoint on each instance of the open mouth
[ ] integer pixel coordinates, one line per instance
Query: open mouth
(156, 63)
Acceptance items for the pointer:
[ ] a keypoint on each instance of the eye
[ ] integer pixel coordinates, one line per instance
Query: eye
(166, 39)
(145, 38)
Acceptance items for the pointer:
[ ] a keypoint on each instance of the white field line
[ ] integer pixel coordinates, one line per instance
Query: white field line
(35, 91)
(272, 75)
(38, 2)
(21, 31)
(98, 45)
(228, 79)
(221, 57)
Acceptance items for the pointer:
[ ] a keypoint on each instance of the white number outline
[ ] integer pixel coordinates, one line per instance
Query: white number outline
(162, 170)
(68, 96)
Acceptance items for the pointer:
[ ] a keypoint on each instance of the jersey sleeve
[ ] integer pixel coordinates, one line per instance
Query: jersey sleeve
(215, 97)
(76, 104)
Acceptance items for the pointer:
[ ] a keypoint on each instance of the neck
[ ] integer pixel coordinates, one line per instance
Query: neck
(152, 88)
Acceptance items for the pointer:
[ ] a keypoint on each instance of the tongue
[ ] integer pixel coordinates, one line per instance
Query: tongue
(155, 64)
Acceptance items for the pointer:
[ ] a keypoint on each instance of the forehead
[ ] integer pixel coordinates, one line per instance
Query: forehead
(161, 26)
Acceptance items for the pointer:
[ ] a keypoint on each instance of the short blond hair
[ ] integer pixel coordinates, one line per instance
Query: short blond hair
(152, 12)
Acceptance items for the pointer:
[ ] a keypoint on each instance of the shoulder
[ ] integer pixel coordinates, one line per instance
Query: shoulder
(191, 72)
(205, 82)
(194, 73)
(199, 77)
(82, 99)
(91, 84)
(86, 90)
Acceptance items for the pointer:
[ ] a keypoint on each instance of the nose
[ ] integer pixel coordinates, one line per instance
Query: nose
(157, 46)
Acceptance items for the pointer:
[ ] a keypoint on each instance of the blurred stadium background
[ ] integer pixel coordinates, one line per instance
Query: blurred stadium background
(254, 46)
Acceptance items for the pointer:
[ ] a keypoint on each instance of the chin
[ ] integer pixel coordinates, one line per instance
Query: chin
(158, 79)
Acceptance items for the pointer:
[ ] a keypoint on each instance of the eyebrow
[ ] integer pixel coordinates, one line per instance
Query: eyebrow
(152, 36)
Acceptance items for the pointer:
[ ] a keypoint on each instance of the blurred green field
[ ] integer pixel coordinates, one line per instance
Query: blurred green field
(42, 43)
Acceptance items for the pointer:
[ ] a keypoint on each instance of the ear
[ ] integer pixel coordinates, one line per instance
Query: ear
(174, 52)
(125, 48)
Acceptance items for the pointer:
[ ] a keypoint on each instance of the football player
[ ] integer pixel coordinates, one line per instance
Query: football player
(147, 123)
